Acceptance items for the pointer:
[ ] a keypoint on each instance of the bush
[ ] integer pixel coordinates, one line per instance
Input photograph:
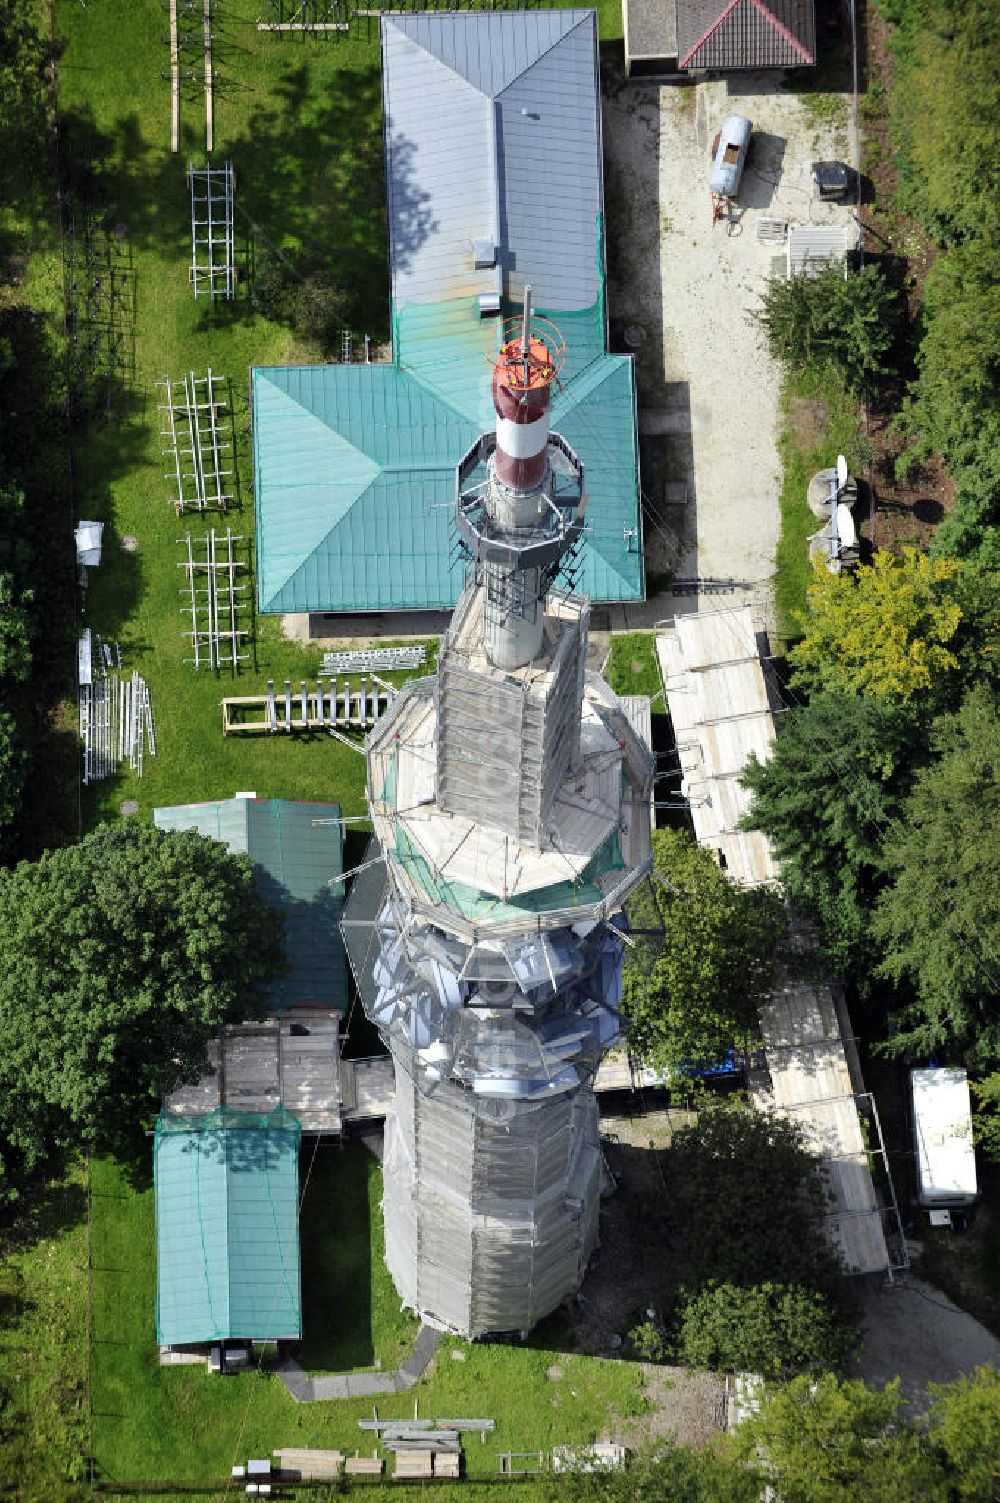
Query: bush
(817, 322)
(772, 1329)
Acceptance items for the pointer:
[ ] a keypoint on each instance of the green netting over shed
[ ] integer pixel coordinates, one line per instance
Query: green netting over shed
(227, 1227)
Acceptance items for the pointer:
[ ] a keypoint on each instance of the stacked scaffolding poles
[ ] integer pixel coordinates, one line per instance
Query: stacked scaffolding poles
(116, 725)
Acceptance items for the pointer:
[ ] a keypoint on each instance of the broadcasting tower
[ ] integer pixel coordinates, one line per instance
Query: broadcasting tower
(510, 800)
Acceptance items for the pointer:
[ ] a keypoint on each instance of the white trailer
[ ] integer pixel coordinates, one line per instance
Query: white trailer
(942, 1129)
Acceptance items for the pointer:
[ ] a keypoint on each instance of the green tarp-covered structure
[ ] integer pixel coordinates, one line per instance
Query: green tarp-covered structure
(495, 180)
(297, 852)
(227, 1228)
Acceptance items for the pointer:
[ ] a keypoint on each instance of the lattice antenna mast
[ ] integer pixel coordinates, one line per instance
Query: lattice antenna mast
(527, 511)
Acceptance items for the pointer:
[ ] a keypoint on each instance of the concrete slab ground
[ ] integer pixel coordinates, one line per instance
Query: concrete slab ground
(912, 1331)
(681, 293)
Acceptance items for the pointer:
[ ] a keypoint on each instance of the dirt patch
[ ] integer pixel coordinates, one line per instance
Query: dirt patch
(808, 415)
(683, 1405)
(628, 1273)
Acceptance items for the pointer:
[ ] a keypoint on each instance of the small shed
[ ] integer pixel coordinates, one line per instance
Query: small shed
(88, 537)
(227, 1228)
(664, 37)
(811, 248)
(297, 852)
(942, 1130)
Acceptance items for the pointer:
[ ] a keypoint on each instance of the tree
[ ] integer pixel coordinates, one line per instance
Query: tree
(120, 957)
(694, 992)
(15, 632)
(884, 631)
(665, 1473)
(13, 761)
(823, 1441)
(940, 917)
(772, 1329)
(747, 1203)
(965, 1431)
(836, 779)
(851, 324)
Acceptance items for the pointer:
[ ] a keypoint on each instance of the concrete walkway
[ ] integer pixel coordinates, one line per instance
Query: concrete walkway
(306, 1390)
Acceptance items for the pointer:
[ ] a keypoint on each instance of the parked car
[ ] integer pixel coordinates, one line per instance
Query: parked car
(732, 145)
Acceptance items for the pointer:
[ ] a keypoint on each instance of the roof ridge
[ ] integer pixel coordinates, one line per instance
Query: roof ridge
(310, 413)
(723, 15)
(783, 30)
(583, 15)
(582, 21)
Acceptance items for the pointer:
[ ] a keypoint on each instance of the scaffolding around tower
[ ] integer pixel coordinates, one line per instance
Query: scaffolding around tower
(510, 799)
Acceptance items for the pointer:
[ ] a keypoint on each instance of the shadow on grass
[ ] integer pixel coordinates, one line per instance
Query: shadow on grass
(47, 1207)
(309, 173)
(337, 1256)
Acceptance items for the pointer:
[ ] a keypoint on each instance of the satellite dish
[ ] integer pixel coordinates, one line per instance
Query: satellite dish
(841, 471)
(845, 527)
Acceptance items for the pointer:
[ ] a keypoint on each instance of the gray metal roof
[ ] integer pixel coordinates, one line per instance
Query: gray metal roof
(724, 34)
(517, 91)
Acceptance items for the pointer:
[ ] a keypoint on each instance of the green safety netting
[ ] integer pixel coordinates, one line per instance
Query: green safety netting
(472, 903)
(227, 1231)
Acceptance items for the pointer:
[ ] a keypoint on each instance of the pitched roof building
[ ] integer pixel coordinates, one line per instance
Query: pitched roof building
(227, 1228)
(494, 171)
(296, 849)
(718, 36)
(726, 34)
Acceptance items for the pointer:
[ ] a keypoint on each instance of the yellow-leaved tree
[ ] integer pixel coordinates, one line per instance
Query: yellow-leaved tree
(885, 630)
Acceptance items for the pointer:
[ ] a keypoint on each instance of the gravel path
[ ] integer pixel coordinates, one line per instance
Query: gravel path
(708, 390)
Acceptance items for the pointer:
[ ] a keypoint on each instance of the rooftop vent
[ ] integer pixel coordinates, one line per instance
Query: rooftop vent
(484, 254)
(489, 305)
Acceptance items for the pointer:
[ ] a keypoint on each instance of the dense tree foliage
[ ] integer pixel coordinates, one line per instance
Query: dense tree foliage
(776, 1330)
(885, 630)
(943, 107)
(849, 324)
(939, 917)
(703, 958)
(16, 632)
(965, 1432)
(760, 1287)
(747, 1202)
(667, 1473)
(119, 959)
(822, 1441)
(825, 799)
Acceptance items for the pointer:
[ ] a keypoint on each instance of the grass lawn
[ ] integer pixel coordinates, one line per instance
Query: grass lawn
(153, 1423)
(633, 667)
(819, 421)
(43, 1344)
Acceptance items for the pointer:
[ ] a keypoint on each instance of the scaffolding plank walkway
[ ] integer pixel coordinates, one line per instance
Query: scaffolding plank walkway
(717, 695)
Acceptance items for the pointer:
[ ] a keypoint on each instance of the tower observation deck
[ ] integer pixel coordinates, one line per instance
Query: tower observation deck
(510, 799)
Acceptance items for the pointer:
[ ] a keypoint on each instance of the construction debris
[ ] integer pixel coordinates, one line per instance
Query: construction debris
(116, 725)
(198, 442)
(364, 659)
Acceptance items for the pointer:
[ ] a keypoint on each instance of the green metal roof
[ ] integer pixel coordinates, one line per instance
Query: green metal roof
(227, 1227)
(296, 849)
(355, 475)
